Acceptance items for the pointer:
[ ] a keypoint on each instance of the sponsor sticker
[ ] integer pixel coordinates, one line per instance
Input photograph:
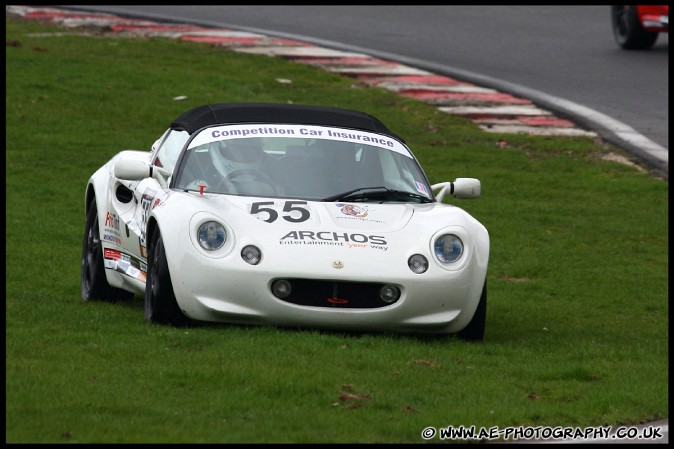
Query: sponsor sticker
(421, 187)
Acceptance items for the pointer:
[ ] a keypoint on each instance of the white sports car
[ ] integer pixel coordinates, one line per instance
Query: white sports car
(286, 215)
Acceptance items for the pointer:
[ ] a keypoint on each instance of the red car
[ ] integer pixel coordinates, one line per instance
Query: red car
(636, 27)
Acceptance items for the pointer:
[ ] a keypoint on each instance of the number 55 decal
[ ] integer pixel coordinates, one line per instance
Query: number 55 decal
(288, 207)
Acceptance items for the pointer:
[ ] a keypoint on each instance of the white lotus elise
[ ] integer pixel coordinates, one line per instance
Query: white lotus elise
(285, 215)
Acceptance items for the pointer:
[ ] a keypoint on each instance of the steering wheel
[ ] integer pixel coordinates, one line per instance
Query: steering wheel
(258, 176)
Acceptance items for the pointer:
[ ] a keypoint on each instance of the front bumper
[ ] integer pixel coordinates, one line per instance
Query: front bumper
(230, 290)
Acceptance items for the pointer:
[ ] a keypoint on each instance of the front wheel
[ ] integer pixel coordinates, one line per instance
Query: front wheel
(474, 331)
(627, 29)
(161, 305)
(94, 283)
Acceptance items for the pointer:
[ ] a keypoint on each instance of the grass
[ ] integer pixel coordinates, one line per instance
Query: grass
(577, 323)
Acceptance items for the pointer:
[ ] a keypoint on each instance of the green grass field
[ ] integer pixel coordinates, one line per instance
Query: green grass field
(577, 322)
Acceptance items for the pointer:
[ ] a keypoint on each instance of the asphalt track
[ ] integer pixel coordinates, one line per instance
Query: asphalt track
(450, 94)
(562, 58)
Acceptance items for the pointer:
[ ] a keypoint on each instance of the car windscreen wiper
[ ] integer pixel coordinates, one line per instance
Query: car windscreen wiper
(378, 193)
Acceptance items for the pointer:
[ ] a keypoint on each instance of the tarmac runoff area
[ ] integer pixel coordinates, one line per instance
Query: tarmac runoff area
(493, 111)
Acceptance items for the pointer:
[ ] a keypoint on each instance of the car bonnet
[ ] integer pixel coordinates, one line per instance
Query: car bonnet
(328, 216)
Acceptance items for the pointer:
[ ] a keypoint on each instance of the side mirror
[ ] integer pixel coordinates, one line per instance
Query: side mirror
(461, 188)
(467, 188)
(132, 169)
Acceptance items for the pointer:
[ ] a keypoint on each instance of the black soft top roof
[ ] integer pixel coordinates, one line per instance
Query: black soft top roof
(229, 113)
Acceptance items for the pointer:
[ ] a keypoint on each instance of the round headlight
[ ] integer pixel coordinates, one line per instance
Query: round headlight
(448, 248)
(418, 263)
(212, 235)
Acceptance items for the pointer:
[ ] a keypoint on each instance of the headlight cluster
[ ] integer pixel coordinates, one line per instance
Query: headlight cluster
(448, 248)
(212, 235)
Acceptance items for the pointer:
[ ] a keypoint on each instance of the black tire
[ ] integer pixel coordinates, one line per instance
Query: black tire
(627, 29)
(161, 305)
(94, 283)
(474, 331)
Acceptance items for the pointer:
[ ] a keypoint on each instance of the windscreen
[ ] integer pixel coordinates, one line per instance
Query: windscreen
(304, 162)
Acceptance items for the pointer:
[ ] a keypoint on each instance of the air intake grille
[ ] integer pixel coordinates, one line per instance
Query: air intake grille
(335, 294)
